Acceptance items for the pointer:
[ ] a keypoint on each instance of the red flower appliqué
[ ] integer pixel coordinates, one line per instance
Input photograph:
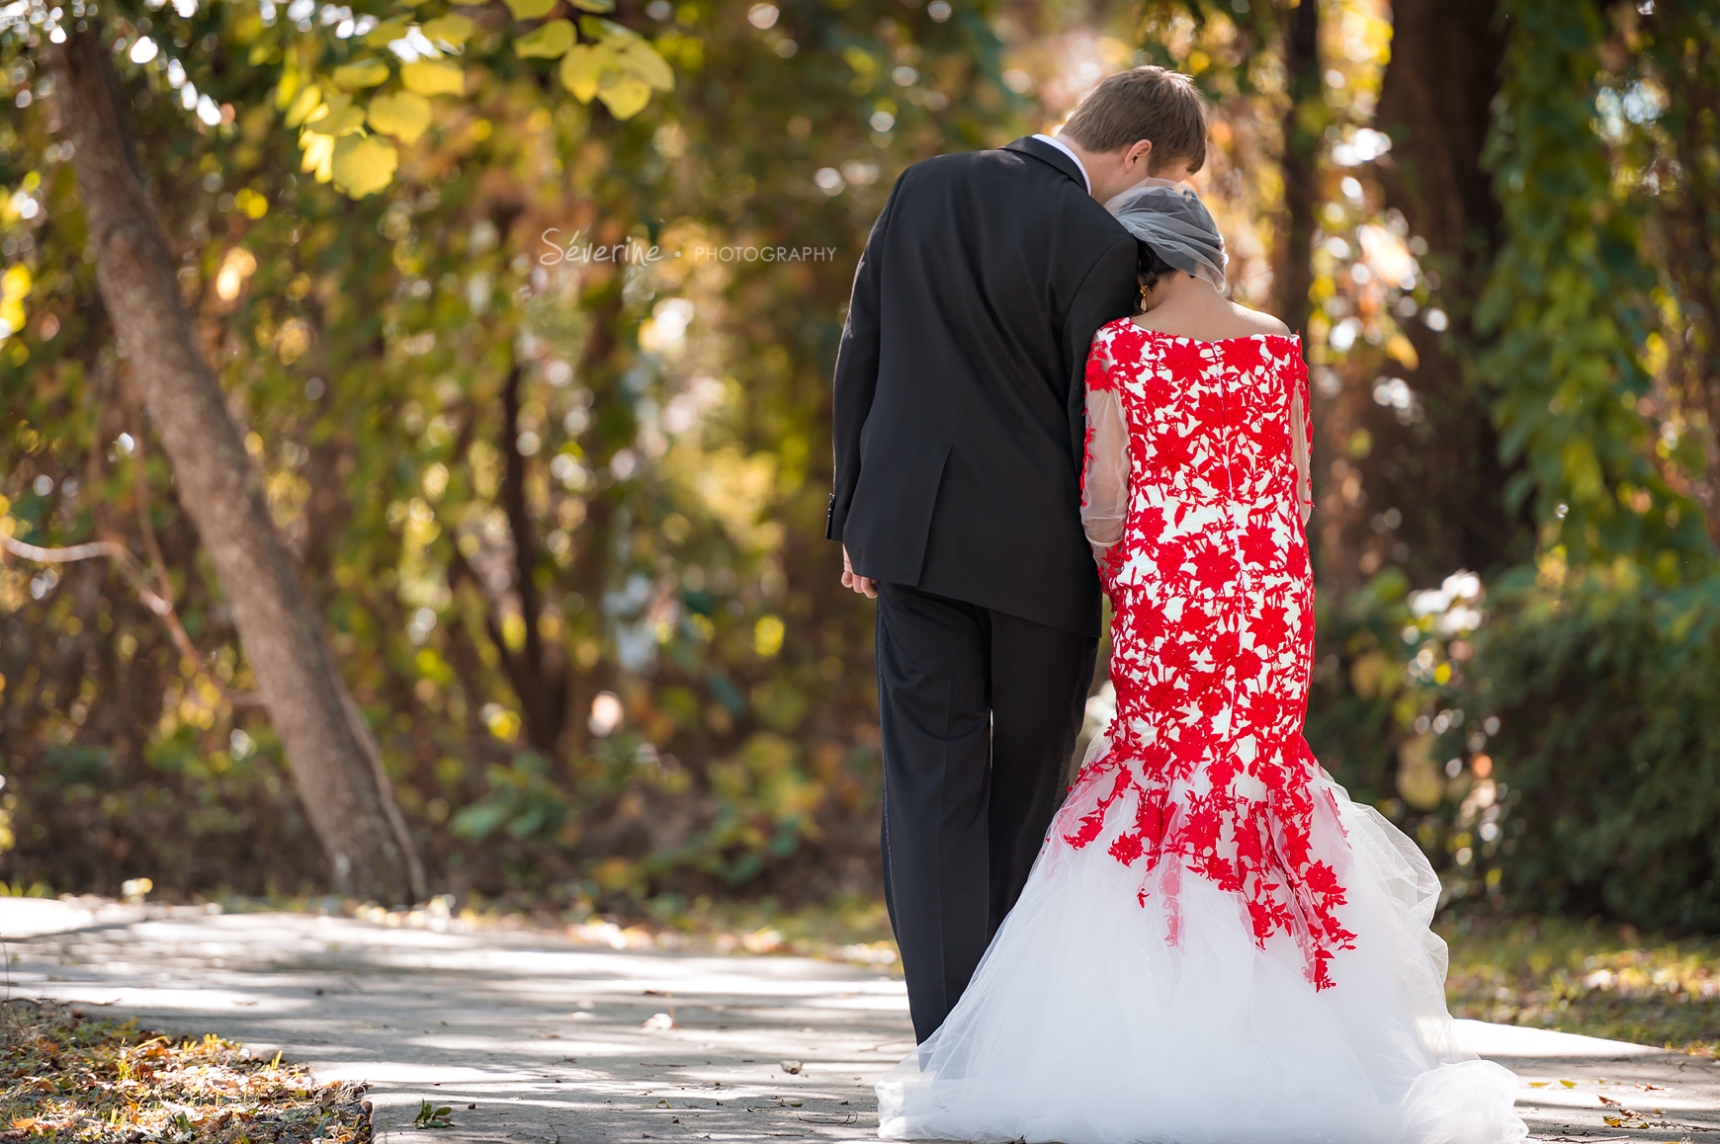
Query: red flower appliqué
(1212, 640)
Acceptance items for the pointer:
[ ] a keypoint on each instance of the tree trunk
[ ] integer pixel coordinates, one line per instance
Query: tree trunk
(540, 684)
(1443, 475)
(344, 792)
(1293, 273)
(1300, 132)
(1686, 65)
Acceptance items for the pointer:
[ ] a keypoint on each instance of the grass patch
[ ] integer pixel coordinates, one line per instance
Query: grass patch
(64, 1076)
(848, 928)
(1586, 978)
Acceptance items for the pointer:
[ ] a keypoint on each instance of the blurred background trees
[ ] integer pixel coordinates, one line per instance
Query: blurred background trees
(540, 420)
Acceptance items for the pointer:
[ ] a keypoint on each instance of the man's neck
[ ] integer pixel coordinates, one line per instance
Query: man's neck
(1069, 147)
(1090, 165)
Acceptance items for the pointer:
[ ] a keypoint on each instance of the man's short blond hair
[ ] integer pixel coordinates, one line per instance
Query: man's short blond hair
(1144, 103)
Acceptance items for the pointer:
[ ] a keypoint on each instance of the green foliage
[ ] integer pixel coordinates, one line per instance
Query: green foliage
(522, 798)
(1562, 757)
(405, 56)
(527, 487)
(1361, 701)
(431, 1116)
(1395, 717)
(1606, 691)
(1570, 308)
(1226, 49)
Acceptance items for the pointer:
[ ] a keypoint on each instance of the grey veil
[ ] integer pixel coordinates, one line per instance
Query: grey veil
(1172, 220)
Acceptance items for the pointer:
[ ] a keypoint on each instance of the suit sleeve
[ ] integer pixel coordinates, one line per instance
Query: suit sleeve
(1110, 291)
(856, 379)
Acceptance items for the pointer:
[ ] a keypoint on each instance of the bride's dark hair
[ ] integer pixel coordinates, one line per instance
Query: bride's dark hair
(1149, 268)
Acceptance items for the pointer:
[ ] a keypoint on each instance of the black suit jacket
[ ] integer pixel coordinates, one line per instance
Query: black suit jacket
(959, 402)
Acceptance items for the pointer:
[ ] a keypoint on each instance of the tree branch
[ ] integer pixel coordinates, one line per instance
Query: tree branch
(161, 605)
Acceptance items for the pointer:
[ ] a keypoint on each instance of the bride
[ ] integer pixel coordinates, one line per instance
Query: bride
(1215, 944)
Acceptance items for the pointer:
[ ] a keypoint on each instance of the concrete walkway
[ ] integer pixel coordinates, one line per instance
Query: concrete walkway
(529, 1036)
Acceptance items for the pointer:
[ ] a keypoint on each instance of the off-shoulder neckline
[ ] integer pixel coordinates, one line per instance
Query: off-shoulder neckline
(1132, 324)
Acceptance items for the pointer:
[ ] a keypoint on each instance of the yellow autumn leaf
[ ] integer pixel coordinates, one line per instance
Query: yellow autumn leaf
(15, 283)
(600, 29)
(624, 94)
(303, 104)
(530, 9)
(318, 152)
(349, 120)
(288, 88)
(861, 61)
(637, 57)
(581, 68)
(333, 104)
(387, 32)
(363, 164)
(364, 73)
(452, 28)
(433, 77)
(1400, 349)
(253, 204)
(548, 42)
(402, 114)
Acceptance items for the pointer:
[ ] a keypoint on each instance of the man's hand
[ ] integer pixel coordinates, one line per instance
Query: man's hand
(864, 585)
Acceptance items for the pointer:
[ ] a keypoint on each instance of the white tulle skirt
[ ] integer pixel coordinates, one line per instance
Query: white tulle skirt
(1084, 1025)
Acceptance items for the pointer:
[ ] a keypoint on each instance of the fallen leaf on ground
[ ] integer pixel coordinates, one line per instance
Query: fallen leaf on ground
(106, 1080)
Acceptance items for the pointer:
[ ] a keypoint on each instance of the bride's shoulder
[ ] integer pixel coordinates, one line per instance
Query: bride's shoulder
(1121, 330)
(1257, 321)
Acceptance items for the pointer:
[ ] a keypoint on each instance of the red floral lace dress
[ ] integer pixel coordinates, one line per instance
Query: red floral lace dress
(1215, 944)
(1212, 634)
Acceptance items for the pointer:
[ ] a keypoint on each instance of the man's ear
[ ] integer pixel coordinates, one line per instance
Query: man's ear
(1138, 157)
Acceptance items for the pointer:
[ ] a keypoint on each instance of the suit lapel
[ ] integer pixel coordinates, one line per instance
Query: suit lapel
(1045, 153)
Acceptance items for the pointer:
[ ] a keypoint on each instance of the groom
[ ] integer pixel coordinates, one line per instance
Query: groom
(959, 439)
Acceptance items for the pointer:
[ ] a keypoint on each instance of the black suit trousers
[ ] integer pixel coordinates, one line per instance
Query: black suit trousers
(979, 713)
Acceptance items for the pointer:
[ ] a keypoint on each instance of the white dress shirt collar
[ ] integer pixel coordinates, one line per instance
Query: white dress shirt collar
(1064, 147)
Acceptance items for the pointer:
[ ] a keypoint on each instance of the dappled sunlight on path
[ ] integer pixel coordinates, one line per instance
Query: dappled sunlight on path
(528, 1036)
(547, 1039)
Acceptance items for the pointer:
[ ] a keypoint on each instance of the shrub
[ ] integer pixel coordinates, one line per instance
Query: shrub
(1559, 753)
(1608, 696)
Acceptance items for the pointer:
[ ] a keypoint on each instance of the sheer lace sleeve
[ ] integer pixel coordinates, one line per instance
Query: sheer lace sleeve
(1301, 443)
(1105, 483)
